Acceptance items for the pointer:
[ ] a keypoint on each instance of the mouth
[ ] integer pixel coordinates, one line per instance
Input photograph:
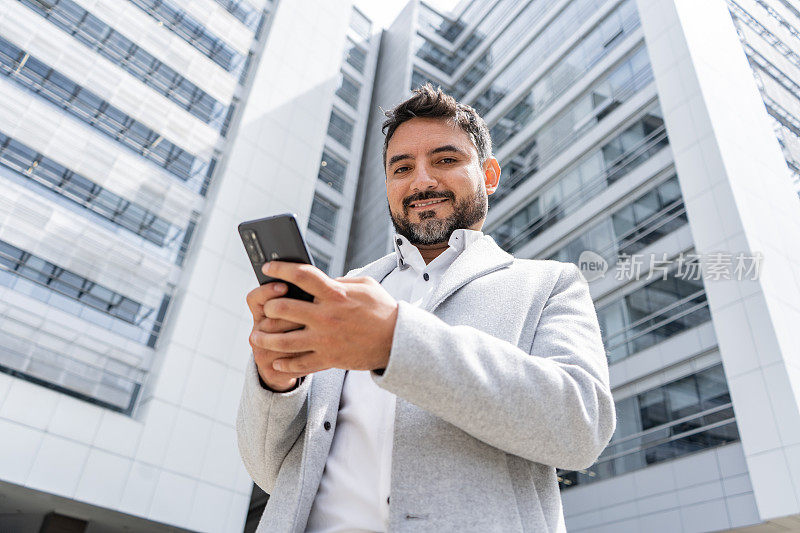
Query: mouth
(419, 205)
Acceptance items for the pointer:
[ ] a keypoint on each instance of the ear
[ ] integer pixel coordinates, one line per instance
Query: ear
(491, 169)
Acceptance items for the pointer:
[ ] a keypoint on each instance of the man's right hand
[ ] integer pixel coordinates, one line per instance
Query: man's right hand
(256, 299)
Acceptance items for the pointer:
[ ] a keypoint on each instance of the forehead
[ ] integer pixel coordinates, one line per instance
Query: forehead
(420, 135)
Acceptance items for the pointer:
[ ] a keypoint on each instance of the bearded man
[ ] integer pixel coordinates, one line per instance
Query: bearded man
(438, 388)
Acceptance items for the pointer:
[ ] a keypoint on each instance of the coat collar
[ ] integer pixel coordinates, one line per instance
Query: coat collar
(478, 259)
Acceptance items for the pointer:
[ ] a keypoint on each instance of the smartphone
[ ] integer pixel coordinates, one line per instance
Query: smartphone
(275, 238)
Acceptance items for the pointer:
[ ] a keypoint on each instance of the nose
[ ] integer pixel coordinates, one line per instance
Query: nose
(423, 178)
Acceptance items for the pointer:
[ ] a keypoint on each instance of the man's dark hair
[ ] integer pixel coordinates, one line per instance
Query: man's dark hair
(430, 102)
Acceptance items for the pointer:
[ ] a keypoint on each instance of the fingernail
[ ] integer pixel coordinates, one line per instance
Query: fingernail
(279, 287)
(265, 268)
(277, 365)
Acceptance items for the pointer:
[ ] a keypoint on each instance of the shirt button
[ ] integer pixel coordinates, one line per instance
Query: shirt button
(425, 276)
(327, 425)
(387, 500)
(399, 242)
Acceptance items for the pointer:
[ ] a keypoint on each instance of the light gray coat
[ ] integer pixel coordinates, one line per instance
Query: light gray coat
(499, 380)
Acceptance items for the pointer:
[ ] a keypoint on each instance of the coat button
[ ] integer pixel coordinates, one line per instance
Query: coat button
(327, 425)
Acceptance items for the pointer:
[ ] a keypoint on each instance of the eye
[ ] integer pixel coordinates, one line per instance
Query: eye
(399, 170)
(447, 160)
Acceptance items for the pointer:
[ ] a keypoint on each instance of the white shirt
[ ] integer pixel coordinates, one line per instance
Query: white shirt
(354, 490)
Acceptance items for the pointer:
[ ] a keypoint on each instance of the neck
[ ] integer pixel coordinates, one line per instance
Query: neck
(429, 252)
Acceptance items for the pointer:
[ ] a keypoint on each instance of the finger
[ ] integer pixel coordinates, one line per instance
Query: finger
(290, 342)
(309, 278)
(360, 279)
(264, 359)
(301, 364)
(260, 295)
(298, 311)
(277, 325)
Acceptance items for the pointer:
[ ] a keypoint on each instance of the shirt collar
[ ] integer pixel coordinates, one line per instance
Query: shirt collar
(408, 254)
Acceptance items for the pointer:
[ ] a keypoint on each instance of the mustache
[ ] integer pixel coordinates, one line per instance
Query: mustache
(427, 195)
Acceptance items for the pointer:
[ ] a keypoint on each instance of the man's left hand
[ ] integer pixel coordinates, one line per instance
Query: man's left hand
(349, 325)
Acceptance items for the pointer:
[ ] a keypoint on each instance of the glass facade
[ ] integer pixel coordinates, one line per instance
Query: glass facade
(432, 21)
(566, 23)
(630, 229)
(770, 35)
(576, 119)
(660, 309)
(33, 166)
(82, 302)
(98, 113)
(74, 294)
(97, 35)
(243, 11)
(580, 183)
(517, 30)
(684, 416)
(606, 94)
(194, 33)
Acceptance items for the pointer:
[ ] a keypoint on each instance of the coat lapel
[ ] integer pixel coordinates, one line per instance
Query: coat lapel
(480, 258)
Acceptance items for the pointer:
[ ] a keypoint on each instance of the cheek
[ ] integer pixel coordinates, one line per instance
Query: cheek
(395, 196)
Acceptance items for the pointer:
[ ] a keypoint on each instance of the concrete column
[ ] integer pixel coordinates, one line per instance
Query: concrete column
(739, 198)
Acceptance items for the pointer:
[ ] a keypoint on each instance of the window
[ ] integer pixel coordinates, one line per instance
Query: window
(632, 227)
(653, 313)
(419, 78)
(321, 261)
(340, 128)
(348, 90)
(323, 218)
(684, 416)
(332, 170)
(355, 56)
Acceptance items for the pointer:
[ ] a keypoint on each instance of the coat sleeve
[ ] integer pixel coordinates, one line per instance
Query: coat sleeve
(552, 406)
(267, 426)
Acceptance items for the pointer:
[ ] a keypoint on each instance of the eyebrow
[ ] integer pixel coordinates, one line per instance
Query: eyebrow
(445, 148)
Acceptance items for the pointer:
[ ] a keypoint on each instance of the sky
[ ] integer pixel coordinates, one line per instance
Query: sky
(383, 12)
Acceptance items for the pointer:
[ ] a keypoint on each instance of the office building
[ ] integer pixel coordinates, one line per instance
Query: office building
(134, 136)
(656, 140)
(633, 135)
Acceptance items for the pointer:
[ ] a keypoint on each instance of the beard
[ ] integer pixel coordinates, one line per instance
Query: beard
(433, 230)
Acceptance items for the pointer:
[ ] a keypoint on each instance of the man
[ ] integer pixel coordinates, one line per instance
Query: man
(438, 388)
